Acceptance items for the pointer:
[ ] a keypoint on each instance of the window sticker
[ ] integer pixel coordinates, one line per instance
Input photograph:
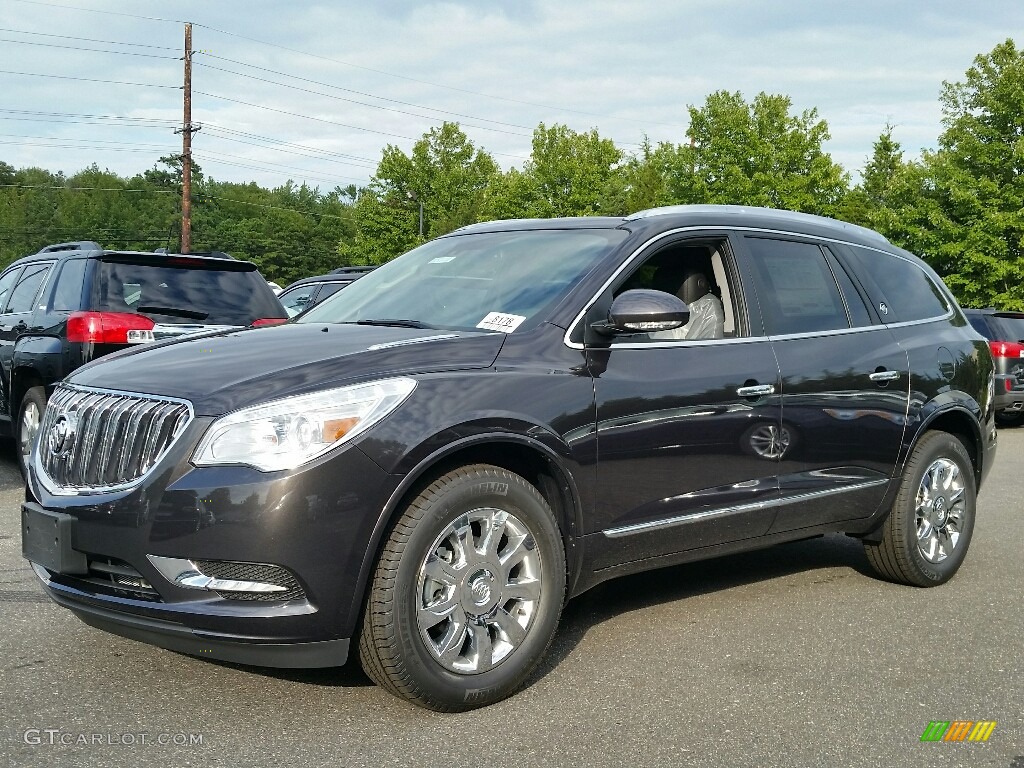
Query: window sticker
(499, 321)
(441, 260)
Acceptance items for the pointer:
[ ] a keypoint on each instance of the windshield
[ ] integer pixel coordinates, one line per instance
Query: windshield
(491, 280)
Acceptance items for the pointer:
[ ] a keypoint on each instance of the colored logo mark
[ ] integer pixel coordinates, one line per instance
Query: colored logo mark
(958, 730)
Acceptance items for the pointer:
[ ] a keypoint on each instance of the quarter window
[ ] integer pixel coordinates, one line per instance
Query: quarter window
(795, 288)
(68, 294)
(910, 292)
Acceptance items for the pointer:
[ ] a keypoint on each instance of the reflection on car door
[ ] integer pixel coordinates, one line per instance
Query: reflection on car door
(844, 384)
(17, 316)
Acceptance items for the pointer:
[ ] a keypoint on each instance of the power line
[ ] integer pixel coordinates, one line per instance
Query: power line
(215, 129)
(202, 196)
(88, 39)
(87, 79)
(95, 10)
(359, 93)
(365, 68)
(270, 167)
(91, 50)
(353, 101)
(97, 117)
(325, 120)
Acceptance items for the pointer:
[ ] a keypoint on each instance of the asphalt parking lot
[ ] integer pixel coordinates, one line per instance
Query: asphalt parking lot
(793, 656)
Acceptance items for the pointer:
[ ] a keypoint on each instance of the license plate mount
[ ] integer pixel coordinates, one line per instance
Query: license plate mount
(47, 539)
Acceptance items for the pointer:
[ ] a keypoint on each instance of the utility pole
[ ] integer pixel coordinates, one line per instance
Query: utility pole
(186, 132)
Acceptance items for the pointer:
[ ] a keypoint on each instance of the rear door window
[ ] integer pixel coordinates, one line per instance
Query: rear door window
(24, 294)
(795, 287)
(183, 294)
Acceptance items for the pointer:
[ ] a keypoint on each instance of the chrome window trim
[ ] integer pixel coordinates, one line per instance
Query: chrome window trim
(754, 506)
(703, 342)
(47, 482)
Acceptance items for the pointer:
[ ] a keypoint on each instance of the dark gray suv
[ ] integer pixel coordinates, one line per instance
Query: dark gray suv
(425, 467)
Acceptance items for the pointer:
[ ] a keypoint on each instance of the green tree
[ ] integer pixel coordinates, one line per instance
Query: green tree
(967, 216)
(568, 174)
(445, 173)
(757, 154)
(885, 180)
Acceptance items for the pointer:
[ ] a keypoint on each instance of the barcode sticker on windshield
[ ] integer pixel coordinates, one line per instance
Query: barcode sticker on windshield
(498, 321)
(441, 260)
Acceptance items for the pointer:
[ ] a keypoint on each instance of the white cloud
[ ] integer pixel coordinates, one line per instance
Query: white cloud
(625, 68)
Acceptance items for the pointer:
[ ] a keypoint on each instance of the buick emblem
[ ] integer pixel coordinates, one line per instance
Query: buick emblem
(62, 435)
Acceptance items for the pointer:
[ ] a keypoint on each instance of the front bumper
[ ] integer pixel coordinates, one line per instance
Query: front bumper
(176, 636)
(315, 522)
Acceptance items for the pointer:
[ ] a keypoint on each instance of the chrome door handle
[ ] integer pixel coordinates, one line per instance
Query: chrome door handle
(756, 391)
(884, 375)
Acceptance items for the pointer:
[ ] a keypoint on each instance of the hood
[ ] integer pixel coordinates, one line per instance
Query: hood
(226, 371)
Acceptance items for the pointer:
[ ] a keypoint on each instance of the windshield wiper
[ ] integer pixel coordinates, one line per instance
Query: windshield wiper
(191, 314)
(396, 322)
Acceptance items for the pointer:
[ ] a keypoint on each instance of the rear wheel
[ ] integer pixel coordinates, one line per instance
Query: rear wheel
(467, 593)
(30, 416)
(926, 536)
(1009, 418)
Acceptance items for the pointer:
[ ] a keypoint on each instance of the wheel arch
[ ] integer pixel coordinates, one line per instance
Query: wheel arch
(954, 419)
(536, 462)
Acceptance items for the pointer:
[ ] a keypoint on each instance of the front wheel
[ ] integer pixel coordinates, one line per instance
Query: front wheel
(467, 593)
(30, 416)
(928, 531)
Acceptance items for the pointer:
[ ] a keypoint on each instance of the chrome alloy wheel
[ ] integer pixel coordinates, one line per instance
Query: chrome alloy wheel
(940, 509)
(30, 420)
(478, 589)
(770, 441)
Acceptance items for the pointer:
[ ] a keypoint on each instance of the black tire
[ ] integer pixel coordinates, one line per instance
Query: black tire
(898, 556)
(34, 397)
(1009, 418)
(394, 650)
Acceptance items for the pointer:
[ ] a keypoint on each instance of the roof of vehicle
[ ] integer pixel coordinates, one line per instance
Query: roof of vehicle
(341, 275)
(727, 216)
(93, 250)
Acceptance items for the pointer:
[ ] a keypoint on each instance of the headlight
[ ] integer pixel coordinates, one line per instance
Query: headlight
(287, 433)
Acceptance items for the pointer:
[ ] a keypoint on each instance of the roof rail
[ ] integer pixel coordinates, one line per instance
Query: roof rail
(81, 245)
(352, 270)
(779, 213)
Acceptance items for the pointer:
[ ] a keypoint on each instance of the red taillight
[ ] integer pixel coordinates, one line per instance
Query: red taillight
(1006, 349)
(269, 321)
(109, 328)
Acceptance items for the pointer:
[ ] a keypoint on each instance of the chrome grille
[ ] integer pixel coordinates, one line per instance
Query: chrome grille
(95, 440)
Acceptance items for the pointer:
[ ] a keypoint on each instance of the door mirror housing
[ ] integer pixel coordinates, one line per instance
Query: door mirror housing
(644, 311)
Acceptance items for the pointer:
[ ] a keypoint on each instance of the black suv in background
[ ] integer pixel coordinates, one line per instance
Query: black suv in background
(427, 467)
(73, 302)
(1005, 332)
(304, 293)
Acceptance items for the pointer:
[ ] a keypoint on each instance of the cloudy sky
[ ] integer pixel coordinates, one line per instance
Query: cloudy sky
(294, 89)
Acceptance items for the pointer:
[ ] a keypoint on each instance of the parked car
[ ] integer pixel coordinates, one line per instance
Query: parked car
(501, 419)
(73, 302)
(304, 293)
(1005, 332)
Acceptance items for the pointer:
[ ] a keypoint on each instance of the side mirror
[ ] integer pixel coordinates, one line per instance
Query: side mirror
(644, 311)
